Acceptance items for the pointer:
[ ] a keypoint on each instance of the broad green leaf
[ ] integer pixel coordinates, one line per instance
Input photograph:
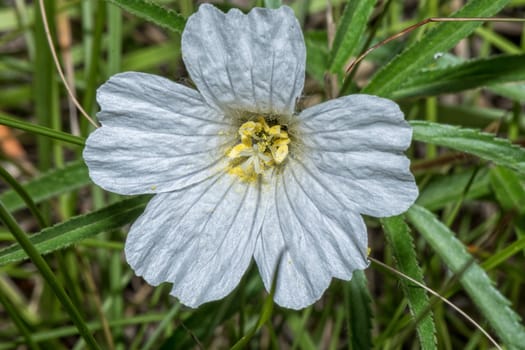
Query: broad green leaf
(478, 143)
(78, 228)
(153, 12)
(440, 39)
(508, 187)
(448, 189)
(494, 306)
(40, 130)
(464, 76)
(350, 30)
(53, 183)
(400, 239)
(358, 303)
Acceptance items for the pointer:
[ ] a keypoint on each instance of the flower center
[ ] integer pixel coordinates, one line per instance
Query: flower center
(261, 147)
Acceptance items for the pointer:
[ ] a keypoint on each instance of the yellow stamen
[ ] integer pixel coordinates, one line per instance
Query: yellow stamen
(261, 147)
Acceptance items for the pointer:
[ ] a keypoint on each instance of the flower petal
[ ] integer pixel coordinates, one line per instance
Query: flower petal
(200, 238)
(310, 235)
(156, 136)
(249, 63)
(358, 142)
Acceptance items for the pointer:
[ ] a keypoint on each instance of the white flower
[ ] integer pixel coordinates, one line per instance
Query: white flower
(236, 174)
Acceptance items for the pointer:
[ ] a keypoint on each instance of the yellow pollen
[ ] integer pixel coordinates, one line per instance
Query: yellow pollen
(261, 147)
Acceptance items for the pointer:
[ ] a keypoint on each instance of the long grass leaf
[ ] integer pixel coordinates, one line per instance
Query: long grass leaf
(398, 235)
(468, 75)
(31, 251)
(441, 39)
(55, 182)
(494, 306)
(475, 142)
(40, 130)
(350, 31)
(78, 228)
(153, 12)
(357, 302)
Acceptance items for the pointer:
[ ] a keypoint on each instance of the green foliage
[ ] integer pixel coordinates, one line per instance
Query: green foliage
(475, 142)
(40, 130)
(494, 306)
(78, 228)
(82, 289)
(53, 183)
(153, 12)
(398, 235)
(273, 4)
(440, 39)
(508, 187)
(349, 33)
(472, 74)
(358, 302)
(446, 189)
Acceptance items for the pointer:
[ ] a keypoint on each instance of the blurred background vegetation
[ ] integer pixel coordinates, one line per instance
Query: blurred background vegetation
(469, 75)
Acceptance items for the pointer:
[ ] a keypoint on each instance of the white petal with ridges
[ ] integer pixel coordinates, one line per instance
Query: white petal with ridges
(254, 62)
(156, 136)
(201, 238)
(317, 236)
(358, 142)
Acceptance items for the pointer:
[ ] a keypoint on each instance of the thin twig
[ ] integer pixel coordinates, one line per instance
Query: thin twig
(422, 23)
(443, 299)
(59, 68)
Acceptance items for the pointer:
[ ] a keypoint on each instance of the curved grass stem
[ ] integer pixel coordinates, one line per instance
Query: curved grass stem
(48, 275)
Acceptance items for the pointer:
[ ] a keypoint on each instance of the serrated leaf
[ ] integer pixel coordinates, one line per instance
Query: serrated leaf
(468, 75)
(400, 239)
(153, 12)
(440, 39)
(58, 181)
(349, 32)
(78, 228)
(450, 188)
(360, 325)
(476, 142)
(508, 187)
(494, 306)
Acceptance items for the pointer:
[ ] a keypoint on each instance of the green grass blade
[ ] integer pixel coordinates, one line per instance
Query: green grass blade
(17, 320)
(273, 4)
(508, 189)
(29, 249)
(350, 30)
(317, 54)
(357, 302)
(398, 235)
(153, 12)
(494, 306)
(50, 184)
(442, 38)
(464, 76)
(504, 254)
(475, 142)
(78, 228)
(24, 196)
(449, 188)
(40, 130)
